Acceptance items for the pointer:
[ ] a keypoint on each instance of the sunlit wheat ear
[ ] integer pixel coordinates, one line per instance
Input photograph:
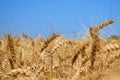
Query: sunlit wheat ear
(60, 41)
(11, 55)
(96, 41)
(112, 45)
(94, 31)
(102, 33)
(49, 40)
(104, 24)
(19, 74)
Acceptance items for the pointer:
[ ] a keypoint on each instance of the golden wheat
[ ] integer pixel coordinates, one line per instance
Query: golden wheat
(59, 58)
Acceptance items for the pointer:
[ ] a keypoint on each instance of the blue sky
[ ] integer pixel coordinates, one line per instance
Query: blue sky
(44, 17)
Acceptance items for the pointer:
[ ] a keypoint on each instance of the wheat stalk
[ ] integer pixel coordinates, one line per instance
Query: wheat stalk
(95, 37)
(12, 55)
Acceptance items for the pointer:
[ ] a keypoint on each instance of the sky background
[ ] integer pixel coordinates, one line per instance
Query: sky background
(68, 17)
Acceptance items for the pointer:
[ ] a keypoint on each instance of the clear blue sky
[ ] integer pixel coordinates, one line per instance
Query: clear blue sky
(64, 16)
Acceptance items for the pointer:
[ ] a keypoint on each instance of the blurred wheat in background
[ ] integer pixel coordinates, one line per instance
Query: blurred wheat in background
(59, 58)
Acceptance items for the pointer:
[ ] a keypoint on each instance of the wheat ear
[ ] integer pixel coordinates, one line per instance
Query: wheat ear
(50, 39)
(96, 41)
(12, 55)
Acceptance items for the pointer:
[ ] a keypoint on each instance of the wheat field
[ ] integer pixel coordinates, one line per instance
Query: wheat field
(60, 58)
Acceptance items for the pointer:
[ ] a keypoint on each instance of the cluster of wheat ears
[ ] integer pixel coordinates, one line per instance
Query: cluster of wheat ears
(59, 58)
